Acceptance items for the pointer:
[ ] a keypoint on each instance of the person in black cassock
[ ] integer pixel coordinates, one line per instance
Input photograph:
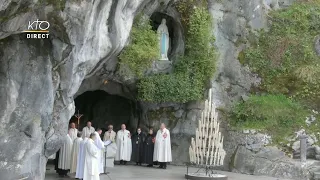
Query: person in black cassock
(137, 146)
(56, 162)
(148, 148)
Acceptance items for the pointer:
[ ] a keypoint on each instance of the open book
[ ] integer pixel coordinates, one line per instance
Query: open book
(107, 143)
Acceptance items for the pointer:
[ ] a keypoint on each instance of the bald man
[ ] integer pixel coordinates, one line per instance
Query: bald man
(110, 134)
(123, 142)
(86, 131)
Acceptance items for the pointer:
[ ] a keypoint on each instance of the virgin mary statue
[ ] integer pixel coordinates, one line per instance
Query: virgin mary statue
(164, 40)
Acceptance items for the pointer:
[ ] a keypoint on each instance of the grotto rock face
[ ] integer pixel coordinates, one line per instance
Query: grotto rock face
(27, 100)
(252, 153)
(40, 77)
(233, 21)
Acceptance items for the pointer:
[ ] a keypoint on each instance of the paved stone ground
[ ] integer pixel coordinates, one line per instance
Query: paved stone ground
(131, 172)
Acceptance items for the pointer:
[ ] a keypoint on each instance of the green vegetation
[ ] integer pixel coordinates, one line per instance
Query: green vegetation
(192, 71)
(276, 115)
(11, 11)
(57, 4)
(164, 112)
(142, 51)
(285, 59)
(167, 112)
(284, 56)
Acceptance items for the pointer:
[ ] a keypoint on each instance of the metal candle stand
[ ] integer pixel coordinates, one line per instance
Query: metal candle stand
(206, 149)
(208, 174)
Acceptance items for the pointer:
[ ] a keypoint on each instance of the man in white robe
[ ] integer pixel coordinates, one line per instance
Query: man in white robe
(64, 158)
(110, 134)
(100, 145)
(75, 152)
(162, 147)
(81, 157)
(86, 131)
(124, 148)
(73, 131)
(91, 162)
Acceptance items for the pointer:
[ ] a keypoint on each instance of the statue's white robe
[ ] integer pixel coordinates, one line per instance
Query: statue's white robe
(163, 34)
(91, 167)
(65, 154)
(74, 154)
(109, 136)
(124, 147)
(87, 131)
(73, 133)
(100, 145)
(162, 146)
(80, 161)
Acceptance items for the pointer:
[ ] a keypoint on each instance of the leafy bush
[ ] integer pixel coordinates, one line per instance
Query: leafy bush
(142, 50)
(169, 88)
(192, 71)
(284, 56)
(274, 114)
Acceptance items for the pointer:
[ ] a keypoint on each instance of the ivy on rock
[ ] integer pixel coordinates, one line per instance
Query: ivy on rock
(284, 56)
(285, 59)
(276, 115)
(143, 49)
(192, 71)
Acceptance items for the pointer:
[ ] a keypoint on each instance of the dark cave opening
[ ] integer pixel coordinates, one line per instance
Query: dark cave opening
(103, 109)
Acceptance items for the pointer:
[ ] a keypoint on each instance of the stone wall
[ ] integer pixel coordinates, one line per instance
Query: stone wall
(40, 79)
(181, 120)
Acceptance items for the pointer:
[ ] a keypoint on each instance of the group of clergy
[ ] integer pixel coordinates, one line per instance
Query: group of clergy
(151, 148)
(83, 153)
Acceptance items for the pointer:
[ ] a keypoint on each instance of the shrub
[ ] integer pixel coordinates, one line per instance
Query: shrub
(191, 72)
(143, 49)
(284, 55)
(276, 115)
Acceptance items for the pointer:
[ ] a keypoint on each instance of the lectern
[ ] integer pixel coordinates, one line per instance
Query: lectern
(106, 144)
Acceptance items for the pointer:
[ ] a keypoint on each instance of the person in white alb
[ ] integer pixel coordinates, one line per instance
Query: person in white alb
(124, 145)
(111, 150)
(100, 145)
(64, 157)
(86, 131)
(91, 161)
(81, 157)
(75, 152)
(162, 147)
(73, 131)
(110, 134)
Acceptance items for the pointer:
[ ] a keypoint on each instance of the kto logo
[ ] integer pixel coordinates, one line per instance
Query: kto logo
(39, 25)
(38, 29)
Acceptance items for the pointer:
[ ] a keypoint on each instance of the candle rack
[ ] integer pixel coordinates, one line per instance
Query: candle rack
(206, 149)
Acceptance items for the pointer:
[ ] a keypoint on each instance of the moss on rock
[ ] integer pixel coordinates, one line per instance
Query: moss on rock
(284, 56)
(273, 114)
(143, 49)
(191, 72)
